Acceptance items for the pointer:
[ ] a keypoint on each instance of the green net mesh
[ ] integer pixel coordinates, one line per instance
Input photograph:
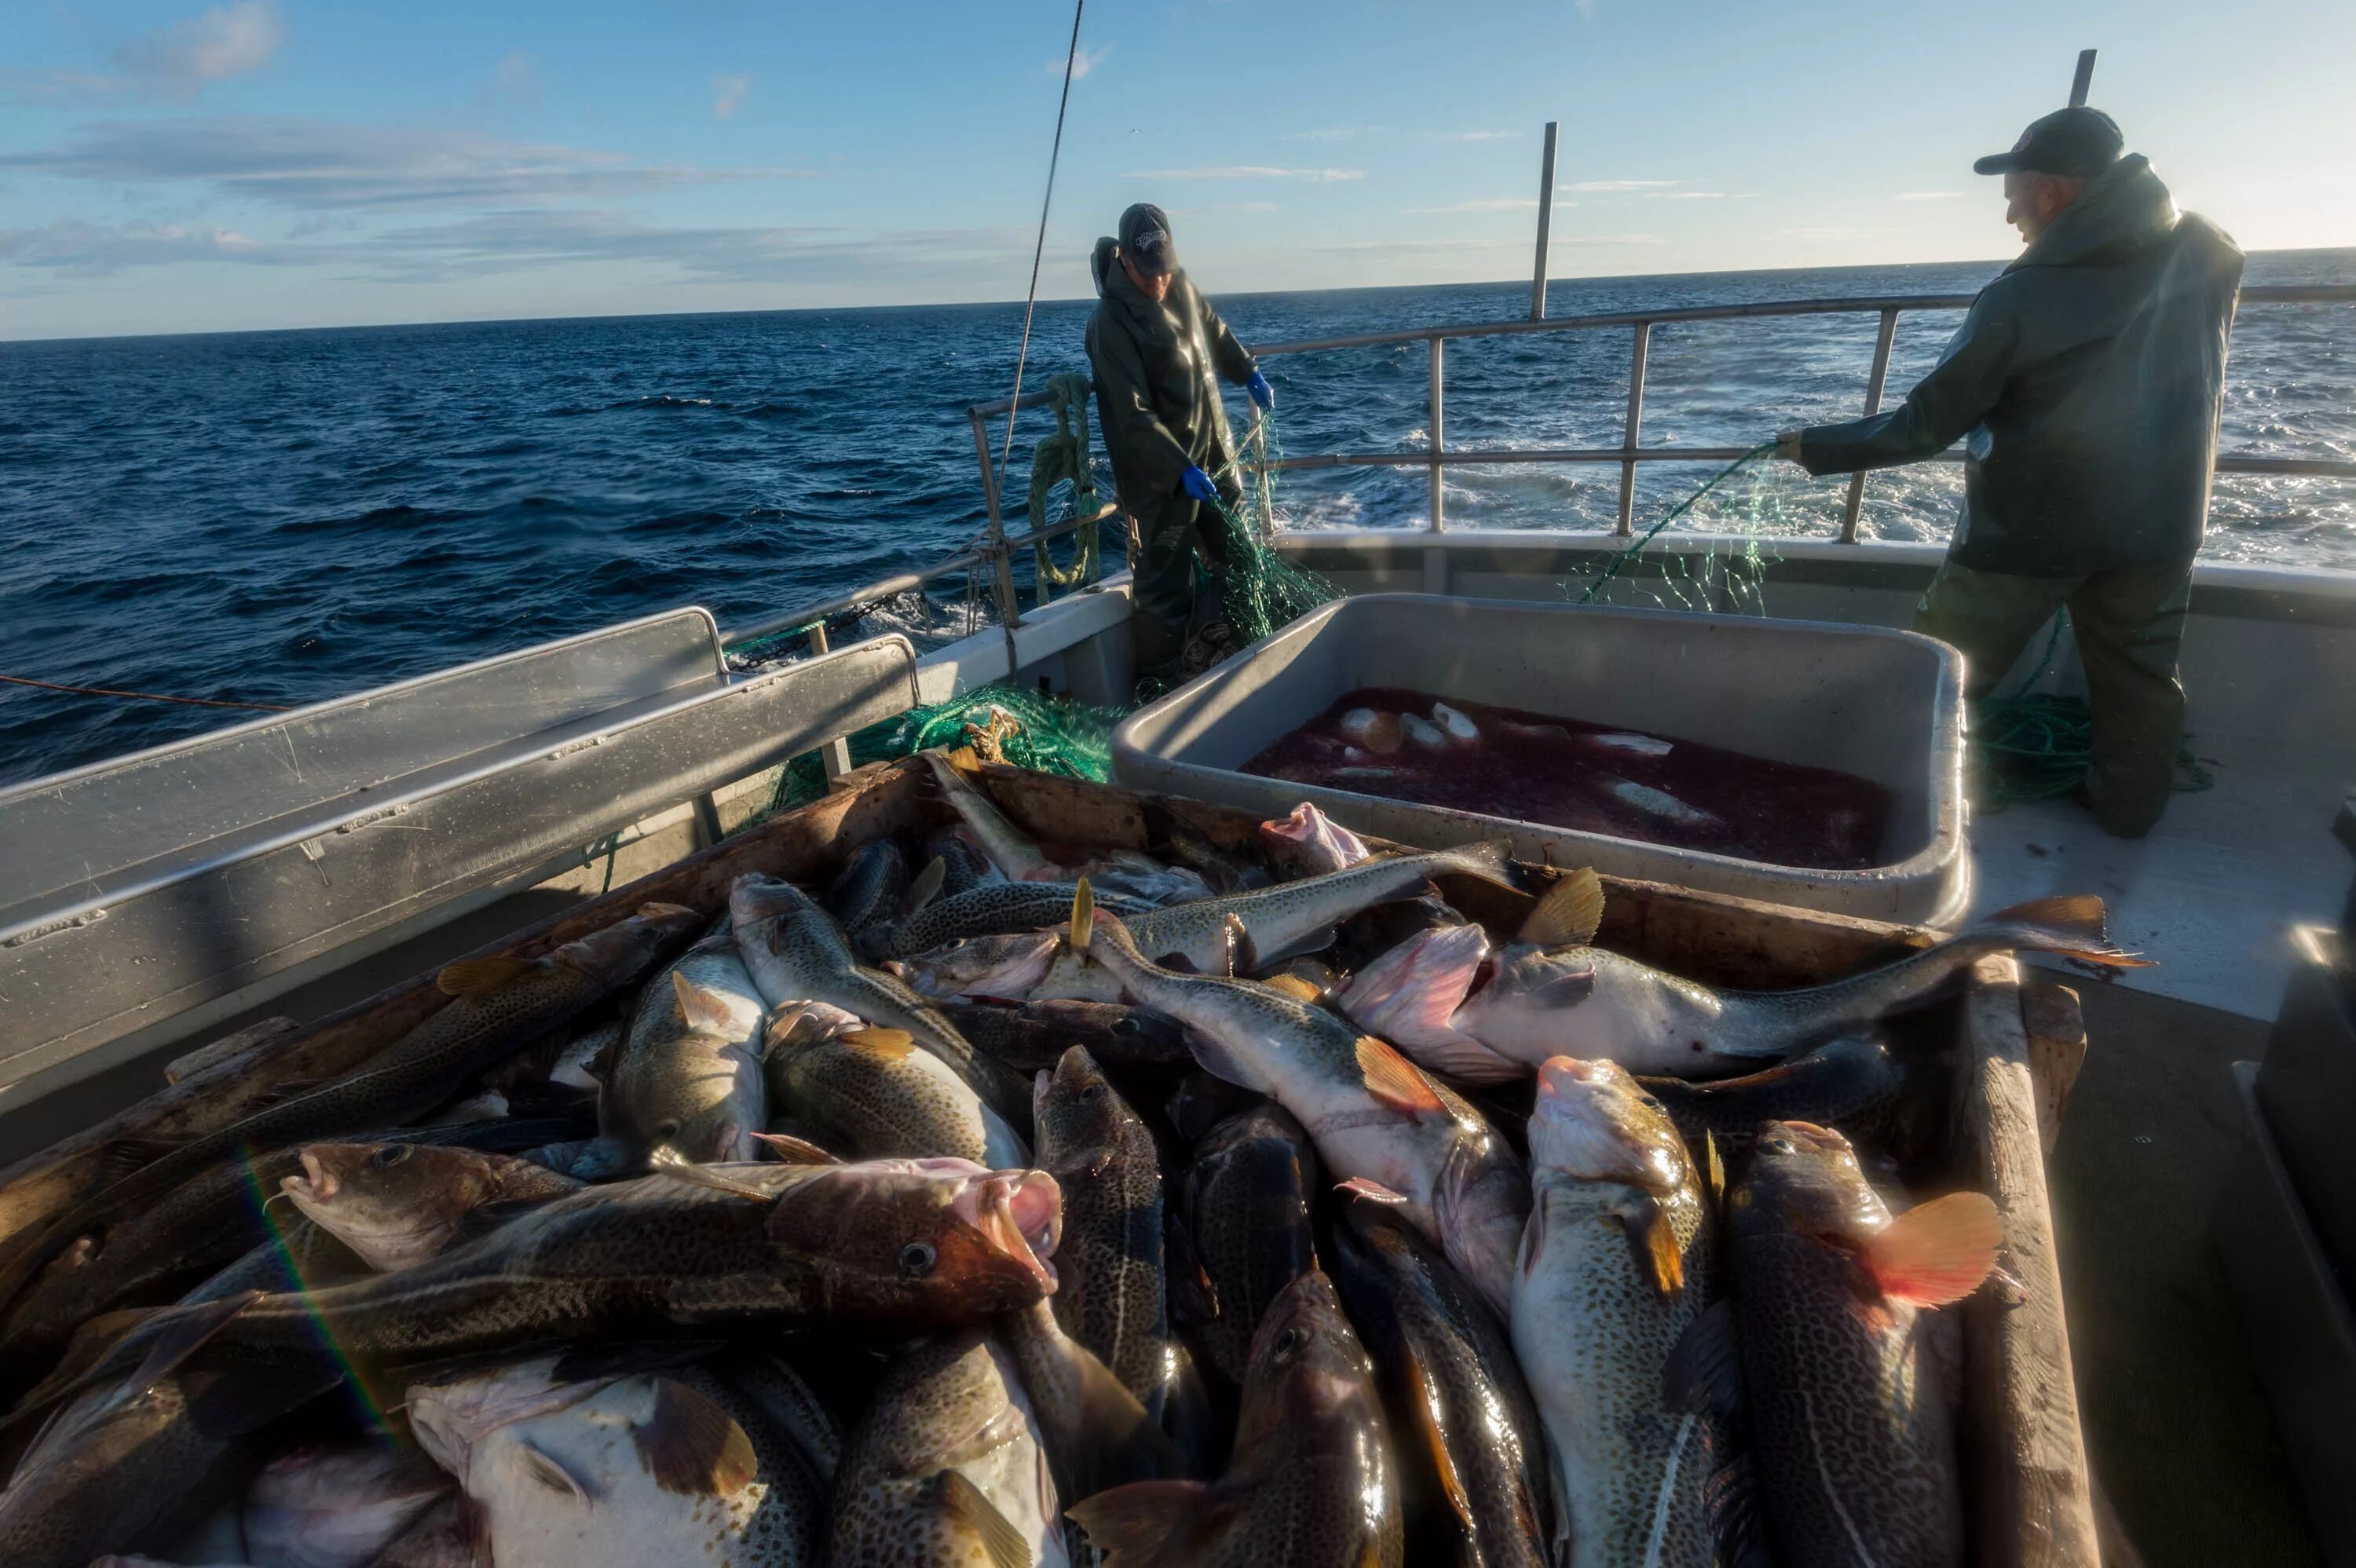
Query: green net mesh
(1746, 505)
(1264, 590)
(2033, 746)
(1036, 730)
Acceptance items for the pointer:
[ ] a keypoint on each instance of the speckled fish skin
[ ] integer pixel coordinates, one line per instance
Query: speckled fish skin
(882, 1097)
(1595, 1323)
(1111, 1291)
(622, 1472)
(868, 890)
(948, 1468)
(397, 1204)
(663, 1253)
(1298, 917)
(994, 909)
(1852, 1431)
(405, 1080)
(797, 953)
(1312, 1484)
(1247, 1196)
(1457, 1396)
(110, 1472)
(687, 1076)
(1459, 1182)
(204, 1224)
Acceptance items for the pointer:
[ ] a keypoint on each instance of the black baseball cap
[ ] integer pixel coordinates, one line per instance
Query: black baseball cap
(2081, 143)
(1145, 240)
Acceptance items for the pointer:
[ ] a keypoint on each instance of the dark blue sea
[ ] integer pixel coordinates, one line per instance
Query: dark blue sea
(285, 516)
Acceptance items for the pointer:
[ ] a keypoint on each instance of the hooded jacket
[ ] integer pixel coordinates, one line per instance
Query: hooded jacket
(1157, 373)
(2088, 378)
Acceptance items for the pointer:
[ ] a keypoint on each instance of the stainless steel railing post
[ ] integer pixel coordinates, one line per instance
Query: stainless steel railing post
(1635, 419)
(1438, 407)
(1873, 386)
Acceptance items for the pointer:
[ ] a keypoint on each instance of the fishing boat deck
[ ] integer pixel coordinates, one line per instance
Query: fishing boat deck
(2213, 893)
(2178, 1430)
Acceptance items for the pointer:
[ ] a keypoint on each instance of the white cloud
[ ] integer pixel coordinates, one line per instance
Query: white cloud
(1609, 187)
(73, 248)
(1247, 171)
(1492, 204)
(525, 241)
(1221, 207)
(728, 90)
(1928, 195)
(1335, 133)
(1477, 135)
(313, 165)
(1701, 196)
(1083, 62)
(178, 62)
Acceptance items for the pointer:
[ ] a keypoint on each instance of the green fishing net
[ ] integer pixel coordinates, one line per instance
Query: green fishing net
(1738, 513)
(2030, 745)
(1263, 591)
(1041, 731)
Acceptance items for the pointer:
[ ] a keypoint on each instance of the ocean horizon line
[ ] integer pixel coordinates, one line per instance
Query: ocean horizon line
(1370, 289)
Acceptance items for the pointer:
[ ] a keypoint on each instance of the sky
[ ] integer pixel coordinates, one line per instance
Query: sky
(176, 166)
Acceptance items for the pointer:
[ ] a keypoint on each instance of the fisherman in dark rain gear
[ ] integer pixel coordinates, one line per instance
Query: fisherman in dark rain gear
(1158, 351)
(2086, 384)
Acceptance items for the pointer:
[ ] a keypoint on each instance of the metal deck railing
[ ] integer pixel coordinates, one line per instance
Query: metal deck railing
(993, 550)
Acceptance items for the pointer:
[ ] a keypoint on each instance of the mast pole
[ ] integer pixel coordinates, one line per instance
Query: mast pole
(2084, 79)
(1546, 221)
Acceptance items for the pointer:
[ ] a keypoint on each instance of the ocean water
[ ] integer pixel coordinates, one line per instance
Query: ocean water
(286, 517)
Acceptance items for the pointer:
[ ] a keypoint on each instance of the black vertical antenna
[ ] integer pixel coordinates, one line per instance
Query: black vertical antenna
(2084, 79)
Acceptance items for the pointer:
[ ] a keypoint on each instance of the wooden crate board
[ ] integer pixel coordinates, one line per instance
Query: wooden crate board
(2024, 1456)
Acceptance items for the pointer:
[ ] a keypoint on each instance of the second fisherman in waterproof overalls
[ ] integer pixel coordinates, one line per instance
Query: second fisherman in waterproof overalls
(1159, 350)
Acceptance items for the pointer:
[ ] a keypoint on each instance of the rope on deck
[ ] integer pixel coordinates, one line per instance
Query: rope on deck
(147, 695)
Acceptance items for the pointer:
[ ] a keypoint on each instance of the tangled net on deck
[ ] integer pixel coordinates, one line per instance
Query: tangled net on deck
(1012, 724)
(2035, 745)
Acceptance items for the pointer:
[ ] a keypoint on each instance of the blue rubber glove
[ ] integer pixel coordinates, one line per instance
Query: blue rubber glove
(1261, 393)
(1198, 483)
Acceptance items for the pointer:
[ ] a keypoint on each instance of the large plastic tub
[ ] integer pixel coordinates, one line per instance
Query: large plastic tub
(1883, 705)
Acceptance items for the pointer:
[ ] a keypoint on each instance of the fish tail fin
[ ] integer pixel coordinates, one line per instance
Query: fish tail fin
(1084, 916)
(1491, 861)
(2071, 925)
(1149, 1524)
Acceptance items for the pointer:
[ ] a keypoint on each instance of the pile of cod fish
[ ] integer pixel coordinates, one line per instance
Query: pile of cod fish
(1010, 1211)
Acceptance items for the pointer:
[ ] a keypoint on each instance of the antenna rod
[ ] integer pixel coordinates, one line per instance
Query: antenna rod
(1546, 221)
(2085, 79)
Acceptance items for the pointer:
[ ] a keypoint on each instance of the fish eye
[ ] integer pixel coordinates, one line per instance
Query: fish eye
(390, 1156)
(916, 1259)
(665, 1131)
(1287, 1345)
(1651, 1105)
(1781, 1145)
(1093, 1092)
